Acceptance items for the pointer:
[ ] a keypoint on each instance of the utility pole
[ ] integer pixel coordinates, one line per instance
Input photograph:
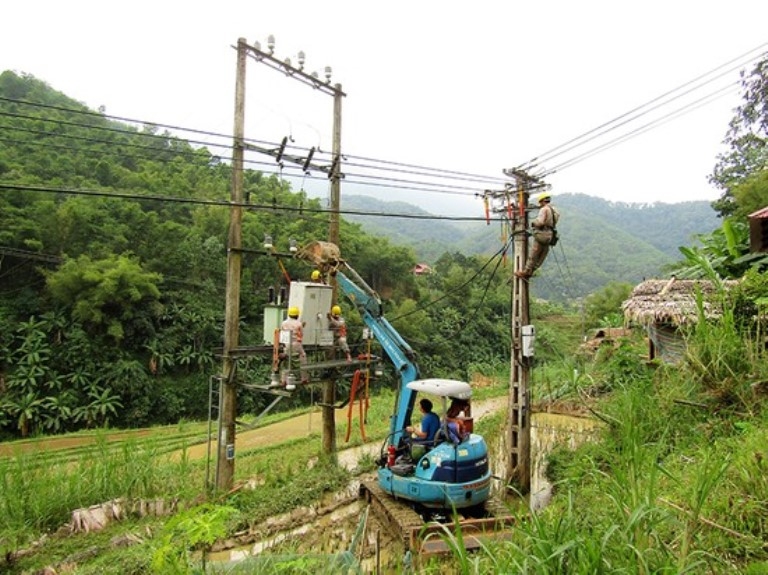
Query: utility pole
(519, 431)
(329, 387)
(225, 463)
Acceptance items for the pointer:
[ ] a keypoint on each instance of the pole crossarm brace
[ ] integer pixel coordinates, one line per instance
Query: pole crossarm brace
(305, 162)
(286, 68)
(525, 179)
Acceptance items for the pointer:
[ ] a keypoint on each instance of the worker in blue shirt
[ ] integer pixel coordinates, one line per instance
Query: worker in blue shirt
(430, 423)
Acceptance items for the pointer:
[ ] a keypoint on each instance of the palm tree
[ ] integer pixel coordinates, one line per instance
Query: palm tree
(103, 404)
(25, 408)
(58, 412)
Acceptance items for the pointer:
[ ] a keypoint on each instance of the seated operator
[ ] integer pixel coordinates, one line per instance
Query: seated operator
(430, 423)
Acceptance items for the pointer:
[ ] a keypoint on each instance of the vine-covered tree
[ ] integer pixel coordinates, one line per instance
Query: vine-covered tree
(747, 136)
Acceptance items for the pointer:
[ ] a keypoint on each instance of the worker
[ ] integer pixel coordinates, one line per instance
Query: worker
(544, 235)
(430, 423)
(293, 325)
(317, 277)
(339, 326)
(454, 419)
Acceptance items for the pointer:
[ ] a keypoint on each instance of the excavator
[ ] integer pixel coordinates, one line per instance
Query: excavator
(447, 481)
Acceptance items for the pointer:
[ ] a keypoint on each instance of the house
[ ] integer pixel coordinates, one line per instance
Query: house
(758, 231)
(665, 307)
(420, 269)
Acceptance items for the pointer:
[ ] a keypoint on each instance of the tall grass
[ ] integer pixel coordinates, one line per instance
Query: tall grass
(39, 497)
(663, 490)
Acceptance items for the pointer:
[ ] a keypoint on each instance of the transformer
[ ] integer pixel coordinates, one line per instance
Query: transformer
(314, 303)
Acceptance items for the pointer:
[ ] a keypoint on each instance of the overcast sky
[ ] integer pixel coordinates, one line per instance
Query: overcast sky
(472, 87)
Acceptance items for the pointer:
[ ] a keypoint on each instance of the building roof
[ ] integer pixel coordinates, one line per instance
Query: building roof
(759, 214)
(672, 301)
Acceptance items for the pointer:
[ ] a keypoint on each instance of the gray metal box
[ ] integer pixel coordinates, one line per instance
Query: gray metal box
(314, 303)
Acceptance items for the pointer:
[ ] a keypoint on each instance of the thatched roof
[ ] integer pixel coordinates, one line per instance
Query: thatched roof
(671, 301)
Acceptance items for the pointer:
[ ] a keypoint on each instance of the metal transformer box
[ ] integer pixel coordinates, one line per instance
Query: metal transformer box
(528, 333)
(314, 303)
(273, 317)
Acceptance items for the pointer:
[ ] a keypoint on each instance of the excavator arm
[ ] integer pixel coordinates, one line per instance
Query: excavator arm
(400, 354)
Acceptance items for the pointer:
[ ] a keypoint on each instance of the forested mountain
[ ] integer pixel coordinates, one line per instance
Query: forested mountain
(113, 256)
(601, 241)
(113, 247)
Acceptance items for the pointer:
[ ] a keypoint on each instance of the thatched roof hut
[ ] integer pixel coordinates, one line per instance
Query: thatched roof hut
(671, 301)
(662, 306)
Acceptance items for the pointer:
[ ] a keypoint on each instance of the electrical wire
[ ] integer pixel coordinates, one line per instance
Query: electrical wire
(228, 204)
(651, 105)
(463, 285)
(371, 167)
(688, 108)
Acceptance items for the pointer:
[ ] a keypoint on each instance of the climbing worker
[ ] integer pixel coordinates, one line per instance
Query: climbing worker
(544, 234)
(293, 325)
(339, 326)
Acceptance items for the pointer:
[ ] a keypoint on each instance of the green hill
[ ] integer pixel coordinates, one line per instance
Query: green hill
(601, 241)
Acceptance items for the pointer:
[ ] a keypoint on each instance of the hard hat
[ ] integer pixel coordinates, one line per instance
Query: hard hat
(544, 196)
(293, 312)
(336, 310)
(315, 275)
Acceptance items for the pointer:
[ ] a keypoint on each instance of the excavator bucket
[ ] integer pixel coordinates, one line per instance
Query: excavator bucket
(326, 256)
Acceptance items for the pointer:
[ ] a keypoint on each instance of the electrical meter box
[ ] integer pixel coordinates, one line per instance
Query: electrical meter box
(528, 335)
(314, 303)
(273, 317)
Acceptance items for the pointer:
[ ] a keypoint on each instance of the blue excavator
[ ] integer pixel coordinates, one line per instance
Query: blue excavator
(447, 473)
(420, 488)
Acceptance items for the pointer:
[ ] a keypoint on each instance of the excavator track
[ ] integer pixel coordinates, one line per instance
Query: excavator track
(401, 519)
(424, 537)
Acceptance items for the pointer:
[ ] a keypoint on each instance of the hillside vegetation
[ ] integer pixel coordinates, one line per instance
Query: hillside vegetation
(601, 241)
(111, 307)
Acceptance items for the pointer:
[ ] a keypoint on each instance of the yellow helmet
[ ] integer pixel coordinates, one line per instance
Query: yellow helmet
(293, 312)
(336, 310)
(315, 275)
(544, 196)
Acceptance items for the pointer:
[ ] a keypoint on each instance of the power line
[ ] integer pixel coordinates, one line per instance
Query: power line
(616, 122)
(228, 204)
(372, 167)
(422, 170)
(690, 107)
(381, 181)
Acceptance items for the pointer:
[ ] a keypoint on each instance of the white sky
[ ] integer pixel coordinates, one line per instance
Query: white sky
(467, 86)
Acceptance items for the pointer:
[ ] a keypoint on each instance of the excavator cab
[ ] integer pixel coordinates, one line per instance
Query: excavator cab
(452, 471)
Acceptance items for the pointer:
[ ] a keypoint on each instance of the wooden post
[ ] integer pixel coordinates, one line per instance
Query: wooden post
(225, 468)
(519, 462)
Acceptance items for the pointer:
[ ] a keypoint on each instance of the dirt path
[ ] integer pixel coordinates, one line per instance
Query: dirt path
(286, 430)
(312, 422)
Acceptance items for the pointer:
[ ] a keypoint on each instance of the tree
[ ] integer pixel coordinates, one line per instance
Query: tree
(604, 305)
(746, 137)
(25, 408)
(724, 252)
(107, 294)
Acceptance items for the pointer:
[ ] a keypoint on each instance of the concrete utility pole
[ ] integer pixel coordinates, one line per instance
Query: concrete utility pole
(519, 432)
(329, 387)
(225, 464)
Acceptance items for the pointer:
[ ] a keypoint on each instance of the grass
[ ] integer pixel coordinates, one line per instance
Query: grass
(675, 482)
